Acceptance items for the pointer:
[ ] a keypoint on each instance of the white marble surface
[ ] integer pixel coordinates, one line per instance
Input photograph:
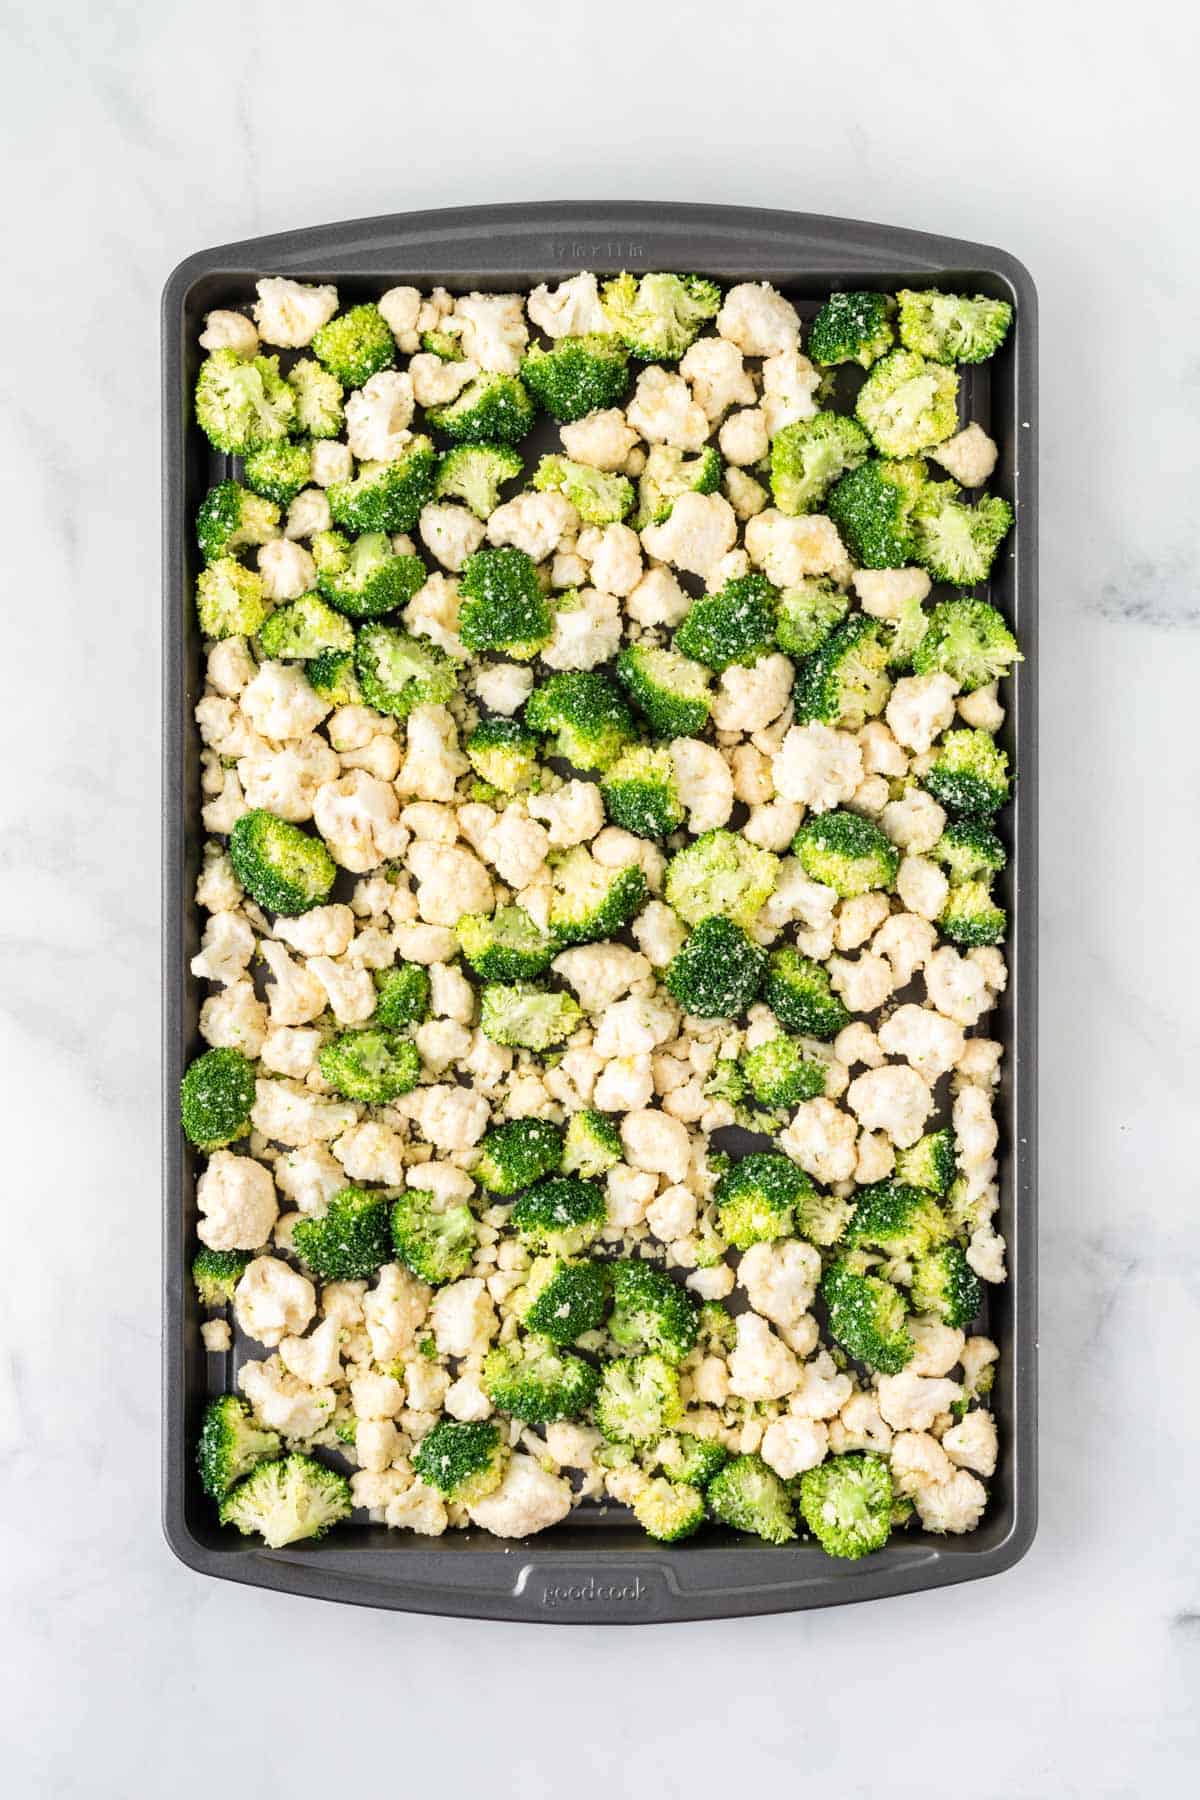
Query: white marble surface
(139, 132)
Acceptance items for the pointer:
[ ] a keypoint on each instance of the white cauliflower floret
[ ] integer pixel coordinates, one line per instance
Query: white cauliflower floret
(331, 462)
(746, 496)
(216, 1336)
(222, 813)
(859, 1426)
(822, 1390)
(912, 1402)
(821, 1138)
(920, 708)
(535, 523)
(663, 411)
(309, 1177)
(985, 1253)
(791, 1445)
(516, 846)
(285, 781)
(424, 943)
(359, 817)
(938, 1346)
(658, 599)
(448, 1117)
(572, 309)
(273, 1301)
(401, 307)
(586, 633)
(223, 728)
(952, 1506)
(463, 1318)
(308, 513)
(894, 1099)
(915, 822)
(756, 317)
(924, 1038)
(982, 709)
(796, 897)
(780, 1279)
(225, 948)
(907, 942)
(979, 1063)
(749, 699)
(718, 376)
(436, 383)
(450, 881)
(885, 593)
(774, 825)
(425, 1385)
(816, 766)
(394, 1311)
(323, 931)
(957, 986)
(922, 886)
(494, 332)
(701, 529)
(743, 437)
(615, 556)
(600, 440)
(790, 383)
(859, 917)
(282, 1402)
(289, 1051)
(378, 416)
(376, 1442)
(442, 1044)
(974, 1127)
(432, 761)
(314, 1359)
(417, 1508)
(289, 313)
(672, 1214)
(787, 550)
(229, 331)
(290, 1113)
(864, 982)
(659, 933)
(973, 1443)
(229, 666)
(918, 1461)
(572, 814)
(527, 1500)
(875, 1160)
(601, 973)
(655, 1142)
(234, 1019)
(371, 1151)
(635, 1027)
(452, 533)
(881, 754)
(294, 996)
(990, 962)
(451, 994)
(761, 1367)
(350, 989)
(236, 1198)
(969, 456)
(280, 704)
(624, 1084)
(704, 783)
(465, 1399)
(630, 1192)
(503, 687)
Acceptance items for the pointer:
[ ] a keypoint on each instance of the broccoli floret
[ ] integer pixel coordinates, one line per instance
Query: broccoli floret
(514, 1156)
(231, 517)
(331, 674)
(464, 1460)
(966, 1207)
(349, 1240)
(638, 1399)
(945, 1284)
(445, 345)
(437, 1242)
(231, 1445)
(969, 774)
(716, 1331)
(822, 1218)
(671, 691)
(567, 1299)
(303, 628)
(721, 872)
(280, 866)
(217, 1272)
(846, 1502)
(669, 1510)
(734, 625)
(577, 375)
(852, 327)
(592, 1145)
(560, 1215)
(386, 496)
(526, 1017)
(658, 316)
(726, 1082)
(956, 541)
(781, 1074)
(503, 752)
(971, 917)
(799, 993)
(501, 605)
(592, 901)
(807, 614)
(371, 1064)
(908, 404)
(287, 1501)
(717, 971)
(970, 641)
(669, 473)
(277, 471)
(969, 851)
(651, 1311)
(365, 579)
(403, 996)
(867, 1317)
(845, 682)
(240, 405)
(904, 632)
(230, 600)
(397, 672)
(808, 456)
(897, 1219)
(844, 851)
(748, 1496)
(355, 345)
(475, 473)
(640, 793)
(504, 945)
(585, 716)
(950, 328)
(872, 508)
(690, 1459)
(318, 399)
(215, 1097)
(534, 1380)
(599, 498)
(492, 409)
(756, 1196)
(929, 1163)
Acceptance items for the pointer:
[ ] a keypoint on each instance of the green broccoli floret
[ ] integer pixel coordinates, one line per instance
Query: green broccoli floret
(217, 1272)
(355, 346)
(277, 471)
(371, 1064)
(671, 691)
(503, 752)
(929, 1163)
(349, 1240)
(365, 579)
(386, 496)
(592, 901)
(397, 672)
(717, 971)
(969, 774)
(969, 851)
(502, 606)
(904, 632)
(716, 1330)
(799, 993)
(584, 715)
(403, 996)
(492, 409)
(726, 1082)
(304, 628)
(464, 1460)
(945, 1284)
(514, 1156)
(640, 793)
(231, 1445)
(867, 1317)
(971, 917)
(845, 682)
(445, 345)
(852, 327)
(534, 1380)
(638, 1399)
(844, 851)
(577, 375)
(668, 474)
(331, 674)
(504, 945)
(822, 1218)
(967, 1207)
(318, 394)
(560, 1215)
(807, 614)
(950, 328)
(956, 541)
(668, 1510)
(215, 1097)
(897, 1219)
(526, 1017)
(721, 872)
(734, 625)
(658, 316)
(230, 517)
(567, 1299)
(748, 1496)
(280, 866)
(872, 508)
(240, 405)
(809, 455)
(690, 1459)
(846, 1502)
(599, 498)
(476, 473)
(436, 1241)
(651, 1311)
(287, 1501)
(969, 640)
(230, 600)
(756, 1196)
(593, 1144)
(781, 1074)
(908, 404)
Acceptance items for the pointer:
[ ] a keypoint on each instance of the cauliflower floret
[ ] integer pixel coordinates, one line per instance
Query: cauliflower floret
(452, 995)
(859, 917)
(273, 1301)
(229, 331)
(982, 709)
(216, 1336)
(774, 825)
(796, 897)
(718, 376)
(955, 1505)
(624, 1084)
(359, 817)
(225, 948)
(864, 983)
(331, 462)
(859, 1426)
(817, 766)
(308, 514)
(282, 1402)
(516, 846)
(572, 814)
(659, 933)
(790, 383)
(378, 416)
(433, 761)
(221, 814)
(425, 1385)
(230, 666)
(658, 599)
(393, 1311)
(938, 1346)
(400, 307)
(746, 496)
(821, 1138)
(973, 1443)
(417, 1508)
(912, 1402)
(956, 986)
(494, 332)
(915, 822)
(704, 783)
(463, 1318)
(858, 1044)
(788, 549)
(918, 1461)
(324, 931)
(601, 440)
(761, 1367)
(743, 437)
(236, 1198)
(448, 1117)
(376, 1442)
(371, 1152)
(535, 523)
(572, 309)
(234, 1019)
(309, 1177)
(990, 961)
(920, 708)
(287, 1051)
(285, 781)
(969, 456)
(294, 995)
(635, 1027)
(350, 989)
(884, 593)
(876, 1159)
(930, 1043)
(601, 973)
(465, 1399)
(586, 633)
(436, 383)
(289, 313)
(757, 318)
(822, 1389)
(922, 886)
(655, 1142)
(701, 529)
(314, 1359)
(527, 1500)
(615, 557)
(881, 754)
(979, 1063)
(985, 1253)
(292, 1114)
(452, 533)
(894, 1099)
(504, 687)
(791, 1445)
(749, 699)
(630, 1192)
(442, 1044)
(907, 942)
(974, 1127)
(673, 1213)
(663, 411)
(280, 704)
(450, 881)
(751, 775)
(780, 1279)
(224, 729)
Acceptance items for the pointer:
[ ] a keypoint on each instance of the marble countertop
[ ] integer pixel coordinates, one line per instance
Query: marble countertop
(139, 133)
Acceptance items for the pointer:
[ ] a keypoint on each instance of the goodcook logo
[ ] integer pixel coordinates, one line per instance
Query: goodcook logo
(593, 1593)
